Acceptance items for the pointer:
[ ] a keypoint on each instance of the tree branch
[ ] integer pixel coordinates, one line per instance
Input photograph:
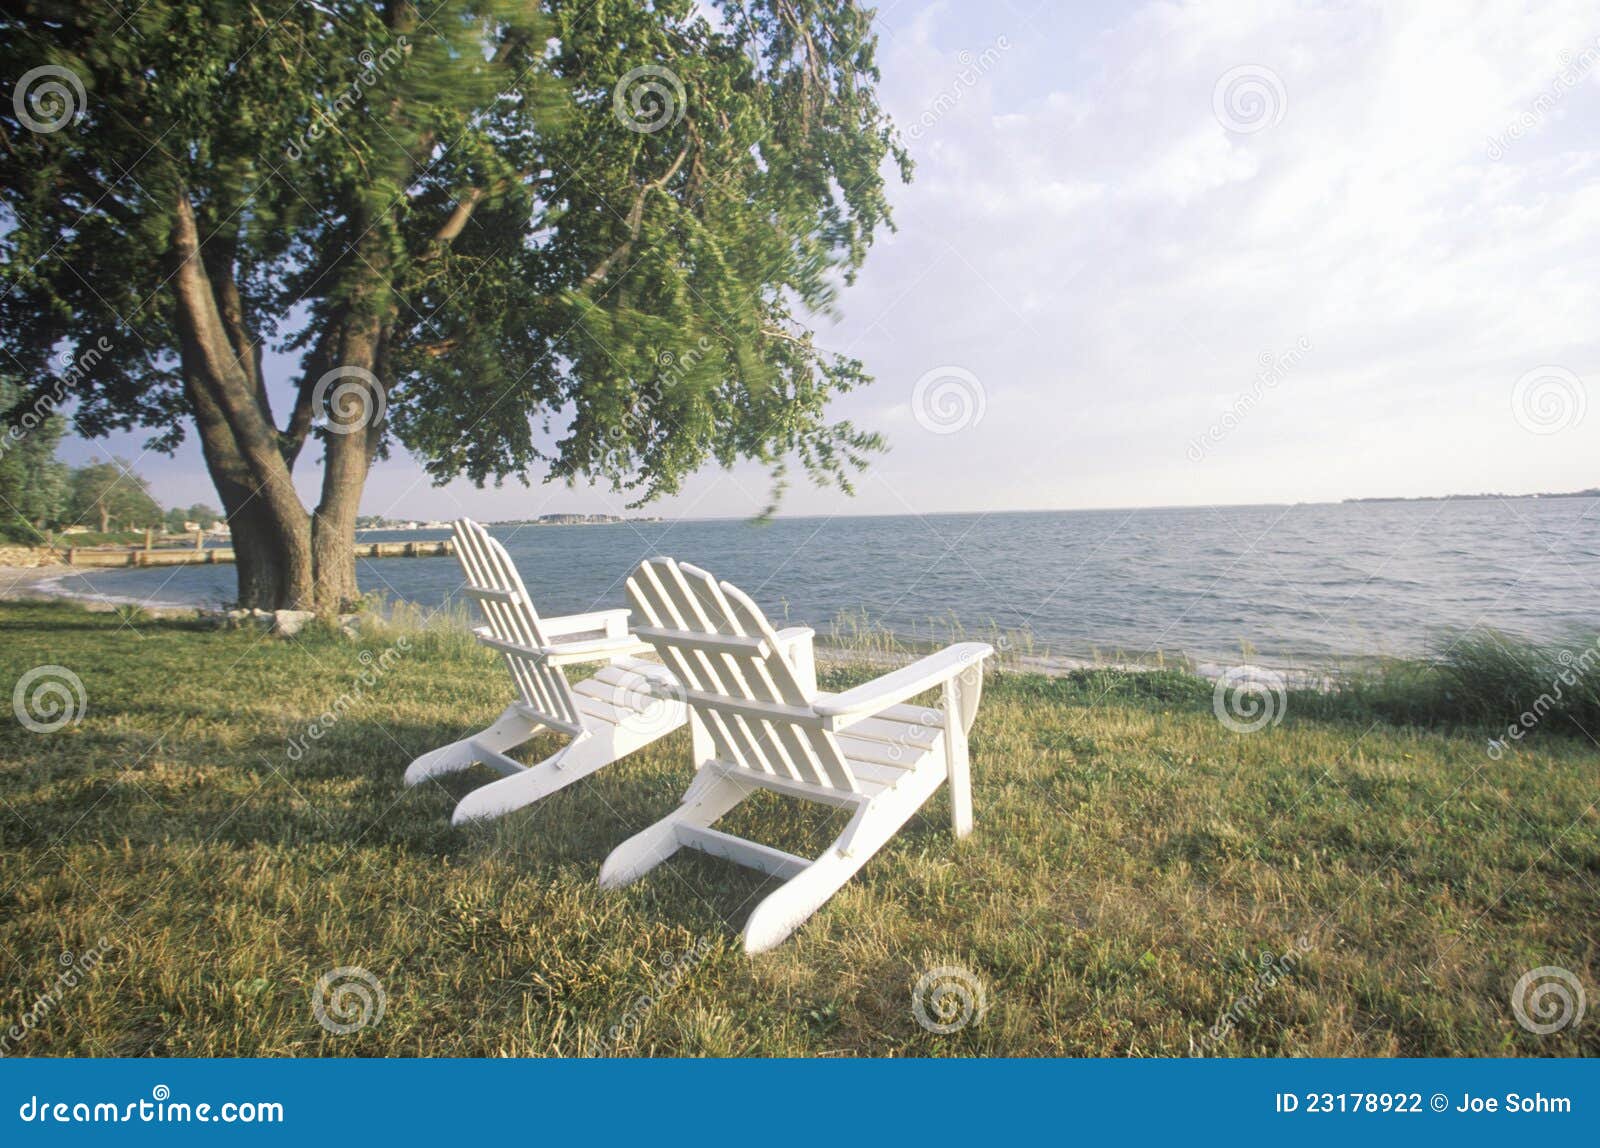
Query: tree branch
(635, 222)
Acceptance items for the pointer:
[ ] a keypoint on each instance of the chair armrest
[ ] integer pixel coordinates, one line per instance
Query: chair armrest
(614, 623)
(567, 653)
(594, 650)
(795, 643)
(845, 709)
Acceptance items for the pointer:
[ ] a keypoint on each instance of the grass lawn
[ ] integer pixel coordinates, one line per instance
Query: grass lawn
(1342, 885)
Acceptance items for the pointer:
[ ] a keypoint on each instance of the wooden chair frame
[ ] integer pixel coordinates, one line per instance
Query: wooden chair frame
(759, 723)
(625, 706)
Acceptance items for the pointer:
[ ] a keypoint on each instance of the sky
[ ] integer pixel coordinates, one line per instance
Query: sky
(1193, 254)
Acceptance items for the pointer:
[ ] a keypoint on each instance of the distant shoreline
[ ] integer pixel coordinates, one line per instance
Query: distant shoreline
(780, 517)
(1593, 492)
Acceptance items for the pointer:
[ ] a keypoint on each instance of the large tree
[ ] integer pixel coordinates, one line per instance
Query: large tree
(573, 237)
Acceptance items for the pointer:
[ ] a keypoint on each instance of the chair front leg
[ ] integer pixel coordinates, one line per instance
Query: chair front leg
(961, 694)
(509, 730)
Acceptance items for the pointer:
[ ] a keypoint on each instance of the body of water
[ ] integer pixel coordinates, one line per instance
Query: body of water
(1288, 584)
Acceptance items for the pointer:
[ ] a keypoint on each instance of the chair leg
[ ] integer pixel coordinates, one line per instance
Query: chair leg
(711, 796)
(559, 770)
(787, 908)
(958, 764)
(509, 730)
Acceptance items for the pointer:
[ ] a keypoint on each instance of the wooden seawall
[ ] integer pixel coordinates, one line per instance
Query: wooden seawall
(187, 557)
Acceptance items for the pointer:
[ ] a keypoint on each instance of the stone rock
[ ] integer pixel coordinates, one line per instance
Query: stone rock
(290, 622)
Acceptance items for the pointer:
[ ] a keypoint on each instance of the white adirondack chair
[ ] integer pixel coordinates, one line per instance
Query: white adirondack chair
(759, 723)
(626, 705)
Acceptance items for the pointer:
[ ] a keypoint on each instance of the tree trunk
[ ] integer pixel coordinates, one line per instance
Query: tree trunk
(271, 531)
(272, 556)
(285, 558)
(355, 427)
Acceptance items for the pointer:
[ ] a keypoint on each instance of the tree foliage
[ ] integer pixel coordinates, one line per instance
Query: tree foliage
(33, 485)
(577, 237)
(110, 495)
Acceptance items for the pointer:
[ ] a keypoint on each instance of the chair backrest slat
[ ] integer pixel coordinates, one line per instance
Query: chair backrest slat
(720, 645)
(492, 580)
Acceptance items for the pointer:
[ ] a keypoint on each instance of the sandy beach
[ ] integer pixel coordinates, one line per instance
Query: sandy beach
(55, 583)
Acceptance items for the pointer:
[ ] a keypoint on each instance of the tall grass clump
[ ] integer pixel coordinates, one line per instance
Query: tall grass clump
(444, 631)
(1503, 680)
(1482, 680)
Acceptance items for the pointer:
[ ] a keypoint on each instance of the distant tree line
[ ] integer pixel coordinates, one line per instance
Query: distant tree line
(40, 494)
